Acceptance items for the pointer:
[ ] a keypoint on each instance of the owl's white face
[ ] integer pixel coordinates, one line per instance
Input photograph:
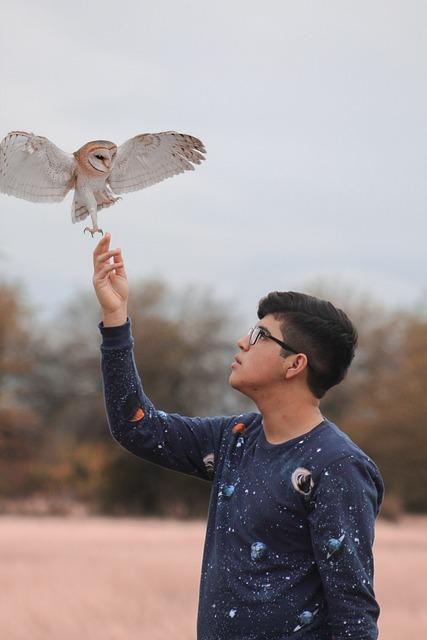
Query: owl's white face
(102, 159)
(97, 157)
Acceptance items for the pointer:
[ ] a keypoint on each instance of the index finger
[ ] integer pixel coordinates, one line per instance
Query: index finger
(102, 246)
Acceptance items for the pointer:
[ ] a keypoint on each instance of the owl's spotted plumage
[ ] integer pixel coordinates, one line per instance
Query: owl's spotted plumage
(33, 168)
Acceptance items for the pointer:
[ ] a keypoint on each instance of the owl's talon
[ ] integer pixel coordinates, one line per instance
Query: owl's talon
(94, 230)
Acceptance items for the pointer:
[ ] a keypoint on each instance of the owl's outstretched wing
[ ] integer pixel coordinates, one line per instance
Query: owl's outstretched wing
(152, 157)
(33, 168)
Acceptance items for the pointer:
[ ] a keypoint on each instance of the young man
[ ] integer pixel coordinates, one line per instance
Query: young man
(288, 549)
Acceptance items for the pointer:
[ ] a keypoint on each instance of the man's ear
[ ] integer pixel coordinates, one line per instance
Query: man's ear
(295, 364)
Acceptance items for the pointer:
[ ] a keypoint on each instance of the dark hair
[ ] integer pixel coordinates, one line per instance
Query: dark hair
(318, 329)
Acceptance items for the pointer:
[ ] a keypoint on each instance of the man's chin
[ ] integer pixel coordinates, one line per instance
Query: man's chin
(232, 380)
(235, 383)
(238, 386)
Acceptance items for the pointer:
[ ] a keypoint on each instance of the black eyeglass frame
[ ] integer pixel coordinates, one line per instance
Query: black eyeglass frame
(263, 332)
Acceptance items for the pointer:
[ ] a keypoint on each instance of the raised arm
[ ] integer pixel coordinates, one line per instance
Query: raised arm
(184, 444)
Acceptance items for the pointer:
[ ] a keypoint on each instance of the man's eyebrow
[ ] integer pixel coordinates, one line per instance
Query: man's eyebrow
(260, 326)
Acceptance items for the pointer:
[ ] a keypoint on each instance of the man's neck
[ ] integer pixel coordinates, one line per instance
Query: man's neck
(288, 418)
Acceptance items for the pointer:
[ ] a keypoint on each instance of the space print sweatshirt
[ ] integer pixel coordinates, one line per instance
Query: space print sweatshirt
(288, 548)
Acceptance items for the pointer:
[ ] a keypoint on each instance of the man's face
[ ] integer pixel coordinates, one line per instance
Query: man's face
(259, 366)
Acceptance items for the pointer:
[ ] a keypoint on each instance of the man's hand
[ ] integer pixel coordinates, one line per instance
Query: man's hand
(110, 283)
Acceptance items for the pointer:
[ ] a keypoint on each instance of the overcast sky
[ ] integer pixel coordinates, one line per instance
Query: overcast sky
(313, 115)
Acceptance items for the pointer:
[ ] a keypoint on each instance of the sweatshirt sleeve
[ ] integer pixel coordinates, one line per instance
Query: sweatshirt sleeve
(346, 501)
(184, 444)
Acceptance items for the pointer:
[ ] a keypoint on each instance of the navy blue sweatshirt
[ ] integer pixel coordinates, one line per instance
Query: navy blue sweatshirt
(288, 548)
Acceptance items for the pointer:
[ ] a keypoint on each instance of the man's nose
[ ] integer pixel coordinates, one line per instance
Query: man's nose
(243, 343)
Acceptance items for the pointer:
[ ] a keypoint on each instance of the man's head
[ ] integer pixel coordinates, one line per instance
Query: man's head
(320, 342)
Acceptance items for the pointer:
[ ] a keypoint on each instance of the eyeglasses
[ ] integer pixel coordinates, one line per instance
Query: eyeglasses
(260, 332)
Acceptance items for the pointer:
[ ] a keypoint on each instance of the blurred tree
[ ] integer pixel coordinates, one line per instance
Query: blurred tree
(382, 403)
(183, 348)
(14, 338)
(19, 435)
(54, 436)
(390, 408)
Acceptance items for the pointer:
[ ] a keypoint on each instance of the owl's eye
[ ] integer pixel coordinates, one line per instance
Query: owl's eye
(99, 157)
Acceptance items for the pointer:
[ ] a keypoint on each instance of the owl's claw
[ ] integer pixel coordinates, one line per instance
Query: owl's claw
(93, 230)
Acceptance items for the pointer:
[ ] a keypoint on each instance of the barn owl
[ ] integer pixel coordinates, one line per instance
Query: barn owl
(33, 168)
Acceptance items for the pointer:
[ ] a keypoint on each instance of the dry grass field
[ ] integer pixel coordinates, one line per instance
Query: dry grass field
(137, 579)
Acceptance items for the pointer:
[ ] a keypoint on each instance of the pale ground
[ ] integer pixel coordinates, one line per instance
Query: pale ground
(138, 579)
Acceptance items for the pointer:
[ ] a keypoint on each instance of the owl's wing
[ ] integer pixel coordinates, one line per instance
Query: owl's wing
(152, 157)
(33, 168)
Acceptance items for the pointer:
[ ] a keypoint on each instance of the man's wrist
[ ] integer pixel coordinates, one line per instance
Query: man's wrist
(116, 336)
(115, 319)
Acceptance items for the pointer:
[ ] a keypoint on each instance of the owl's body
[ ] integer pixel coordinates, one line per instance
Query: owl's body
(33, 168)
(92, 191)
